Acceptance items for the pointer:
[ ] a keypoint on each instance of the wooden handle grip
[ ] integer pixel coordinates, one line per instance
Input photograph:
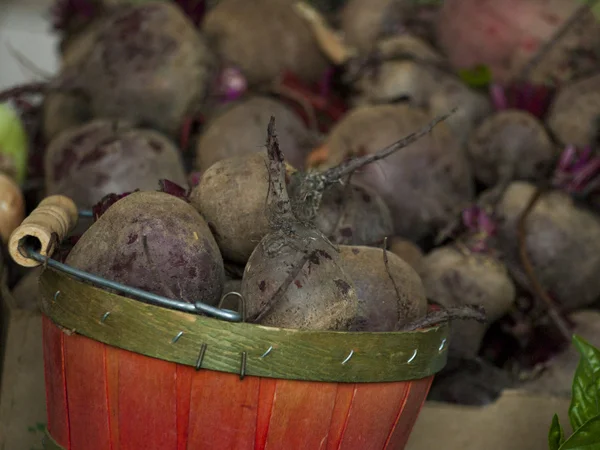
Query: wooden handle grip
(49, 224)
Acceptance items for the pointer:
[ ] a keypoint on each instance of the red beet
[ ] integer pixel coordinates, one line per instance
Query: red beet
(156, 242)
(102, 157)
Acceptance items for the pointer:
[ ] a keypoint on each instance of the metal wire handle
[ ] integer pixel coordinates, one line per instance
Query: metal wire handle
(147, 297)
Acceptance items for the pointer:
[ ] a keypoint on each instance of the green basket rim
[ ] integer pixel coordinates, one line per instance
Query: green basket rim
(241, 348)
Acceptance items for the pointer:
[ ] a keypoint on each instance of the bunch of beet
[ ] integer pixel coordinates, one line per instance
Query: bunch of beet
(359, 211)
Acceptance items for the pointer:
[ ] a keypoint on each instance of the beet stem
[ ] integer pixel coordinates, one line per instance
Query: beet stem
(278, 203)
(23, 89)
(536, 286)
(469, 312)
(335, 174)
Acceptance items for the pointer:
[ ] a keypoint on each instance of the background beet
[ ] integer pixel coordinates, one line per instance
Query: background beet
(573, 115)
(403, 70)
(354, 214)
(511, 144)
(557, 378)
(390, 294)
(148, 65)
(505, 35)
(156, 242)
(364, 22)
(294, 277)
(231, 196)
(453, 279)
(423, 184)
(408, 251)
(240, 129)
(264, 38)
(104, 157)
(562, 242)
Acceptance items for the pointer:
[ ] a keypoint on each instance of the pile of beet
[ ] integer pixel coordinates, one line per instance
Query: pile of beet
(349, 166)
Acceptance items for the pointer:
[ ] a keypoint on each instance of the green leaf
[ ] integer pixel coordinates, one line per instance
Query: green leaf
(14, 147)
(479, 76)
(585, 399)
(586, 437)
(556, 437)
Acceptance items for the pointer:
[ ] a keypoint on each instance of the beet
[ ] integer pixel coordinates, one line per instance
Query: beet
(88, 162)
(402, 70)
(390, 293)
(240, 130)
(409, 70)
(294, 277)
(354, 214)
(364, 22)
(562, 243)
(63, 111)
(148, 64)
(409, 252)
(264, 38)
(451, 92)
(505, 36)
(509, 145)
(454, 278)
(424, 185)
(573, 115)
(231, 197)
(557, 379)
(156, 242)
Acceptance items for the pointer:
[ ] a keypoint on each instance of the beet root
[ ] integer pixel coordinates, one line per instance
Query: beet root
(511, 144)
(156, 242)
(408, 251)
(293, 278)
(317, 293)
(264, 38)
(453, 278)
(63, 111)
(390, 293)
(238, 226)
(424, 185)
(354, 214)
(102, 157)
(562, 241)
(557, 379)
(240, 130)
(402, 72)
(148, 65)
(573, 114)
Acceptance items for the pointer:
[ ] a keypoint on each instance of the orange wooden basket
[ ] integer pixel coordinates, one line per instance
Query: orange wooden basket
(124, 374)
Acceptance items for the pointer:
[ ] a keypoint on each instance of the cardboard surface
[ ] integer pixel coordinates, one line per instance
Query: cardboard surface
(22, 390)
(517, 421)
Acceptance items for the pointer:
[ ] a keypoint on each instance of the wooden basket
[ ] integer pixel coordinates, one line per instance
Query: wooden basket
(127, 375)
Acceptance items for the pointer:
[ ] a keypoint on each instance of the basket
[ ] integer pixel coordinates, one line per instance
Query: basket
(132, 374)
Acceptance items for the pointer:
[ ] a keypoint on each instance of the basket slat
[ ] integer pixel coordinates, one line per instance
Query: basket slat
(147, 402)
(184, 403)
(302, 355)
(141, 402)
(56, 387)
(232, 402)
(89, 421)
(417, 394)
